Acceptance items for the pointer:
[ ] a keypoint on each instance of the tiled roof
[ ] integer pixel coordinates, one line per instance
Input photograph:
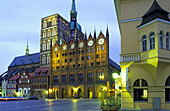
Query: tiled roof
(15, 77)
(41, 71)
(26, 60)
(115, 65)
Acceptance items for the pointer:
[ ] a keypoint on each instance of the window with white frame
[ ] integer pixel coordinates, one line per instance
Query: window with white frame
(48, 59)
(54, 21)
(48, 45)
(140, 90)
(44, 45)
(161, 40)
(152, 41)
(44, 34)
(44, 24)
(43, 59)
(53, 42)
(144, 43)
(167, 41)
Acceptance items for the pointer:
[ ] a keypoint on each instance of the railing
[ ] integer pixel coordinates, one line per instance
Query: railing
(129, 57)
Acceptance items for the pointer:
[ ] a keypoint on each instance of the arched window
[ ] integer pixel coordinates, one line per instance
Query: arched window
(48, 45)
(161, 40)
(144, 43)
(167, 41)
(167, 89)
(48, 59)
(140, 90)
(152, 41)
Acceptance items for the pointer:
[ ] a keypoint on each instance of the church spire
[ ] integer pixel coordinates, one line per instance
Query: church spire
(27, 49)
(73, 12)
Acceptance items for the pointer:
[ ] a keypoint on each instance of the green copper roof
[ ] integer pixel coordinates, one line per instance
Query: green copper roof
(73, 9)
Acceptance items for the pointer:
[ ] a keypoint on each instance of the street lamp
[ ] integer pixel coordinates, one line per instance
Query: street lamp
(117, 78)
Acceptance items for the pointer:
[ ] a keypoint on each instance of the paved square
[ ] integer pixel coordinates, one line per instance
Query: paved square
(52, 105)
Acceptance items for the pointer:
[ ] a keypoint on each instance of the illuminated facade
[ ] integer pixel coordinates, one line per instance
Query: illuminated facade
(145, 53)
(80, 66)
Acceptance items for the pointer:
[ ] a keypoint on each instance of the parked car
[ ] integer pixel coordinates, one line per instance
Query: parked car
(32, 98)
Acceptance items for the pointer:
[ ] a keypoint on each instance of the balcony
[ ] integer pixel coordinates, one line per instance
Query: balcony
(129, 57)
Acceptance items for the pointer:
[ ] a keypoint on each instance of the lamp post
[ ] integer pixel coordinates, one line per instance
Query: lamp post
(117, 77)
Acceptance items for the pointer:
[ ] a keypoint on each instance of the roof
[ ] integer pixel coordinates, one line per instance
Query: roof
(154, 12)
(115, 65)
(41, 72)
(26, 60)
(15, 77)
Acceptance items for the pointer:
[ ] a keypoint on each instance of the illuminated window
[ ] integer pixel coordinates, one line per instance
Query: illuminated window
(161, 40)
(144, 43)
(167, 89)
(167, 41)
(140, 90)
(102, 48)
(56, 79)
(88, 57)
(152, 41)
(71, 78)
(100, 76)
(89, 77)
(80, 77)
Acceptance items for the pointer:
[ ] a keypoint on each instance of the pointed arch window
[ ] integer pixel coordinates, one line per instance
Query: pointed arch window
(140, 90)
(161, 40)
(144, 43)
(152, 41)
(167, 41)
(167, 89)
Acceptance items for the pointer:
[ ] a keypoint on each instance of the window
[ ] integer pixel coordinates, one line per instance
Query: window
(65, 60)
(167, 89)
(82, 51)
(62, 67)
(92, 50)
(48, 59)
(92, 64)
(49, 24)
(80, 77)
(73, 65)
(144, 43)
(71, 78)
(167, 41)
(48, 45)
(97, 56)
(140, 90)
(56, 79)
(98, 63)
(161, 41)
(152, 41)
(88, 57)
(100, 76)
(63, 78)
(57, 67)
(99, 49)
(88, 50)
(78, 65)
(82, 58)
(89, 77)
(70, 60)
(102, 48)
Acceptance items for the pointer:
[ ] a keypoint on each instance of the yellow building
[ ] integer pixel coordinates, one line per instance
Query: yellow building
(80, 66)
(145, 53)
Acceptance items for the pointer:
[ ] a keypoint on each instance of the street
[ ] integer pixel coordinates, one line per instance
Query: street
(52, 105)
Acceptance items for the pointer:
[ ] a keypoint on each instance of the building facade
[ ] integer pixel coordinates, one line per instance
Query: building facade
(145, 60)
(40, 83)
(79, 65)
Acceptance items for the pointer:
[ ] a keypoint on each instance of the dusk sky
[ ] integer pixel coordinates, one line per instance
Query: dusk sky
(20, 19)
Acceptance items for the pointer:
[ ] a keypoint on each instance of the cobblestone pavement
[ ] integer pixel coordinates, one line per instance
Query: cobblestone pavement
(51, 105)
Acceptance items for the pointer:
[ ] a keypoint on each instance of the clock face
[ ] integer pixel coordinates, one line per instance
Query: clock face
(81, 44)
(55, 49)
(72, 46)
(101, 41)
(64, 47)
(90, 43)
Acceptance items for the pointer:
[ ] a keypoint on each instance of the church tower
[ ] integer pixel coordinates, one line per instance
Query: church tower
(145, 53)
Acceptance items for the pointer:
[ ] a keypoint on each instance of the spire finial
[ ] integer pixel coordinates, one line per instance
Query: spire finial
(95, 32)
(107, 31)
(27, 49)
